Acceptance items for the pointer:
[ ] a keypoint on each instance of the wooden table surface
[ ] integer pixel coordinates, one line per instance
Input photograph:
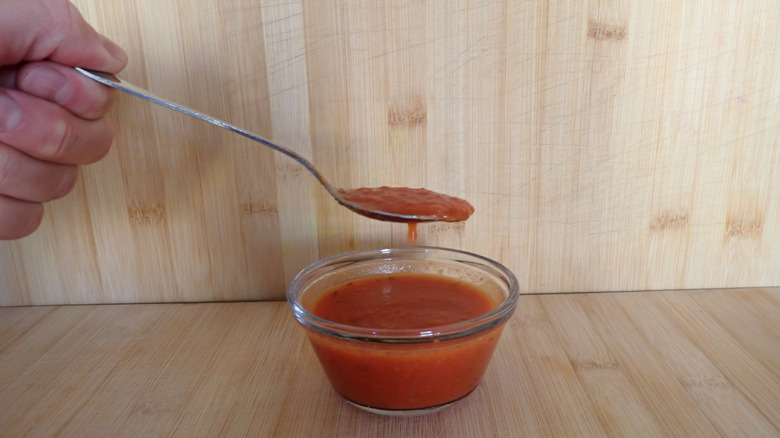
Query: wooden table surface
(674, 363)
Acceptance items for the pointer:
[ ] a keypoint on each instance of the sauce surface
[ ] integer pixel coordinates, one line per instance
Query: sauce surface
(424, 203)
(398, 376)
(411, 301)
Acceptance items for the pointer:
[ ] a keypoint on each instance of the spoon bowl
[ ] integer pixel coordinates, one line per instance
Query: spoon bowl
(356, 204)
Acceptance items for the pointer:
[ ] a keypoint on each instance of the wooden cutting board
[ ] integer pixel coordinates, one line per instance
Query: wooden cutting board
(692, 364)
(606, 145)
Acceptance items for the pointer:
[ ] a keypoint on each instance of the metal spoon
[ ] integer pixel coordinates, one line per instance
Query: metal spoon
(135, 90)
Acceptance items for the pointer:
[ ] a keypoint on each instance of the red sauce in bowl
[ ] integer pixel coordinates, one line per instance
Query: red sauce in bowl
(408, 301)
(404, 376)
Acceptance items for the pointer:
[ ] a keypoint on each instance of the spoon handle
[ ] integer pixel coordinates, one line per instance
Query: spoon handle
(122, 85)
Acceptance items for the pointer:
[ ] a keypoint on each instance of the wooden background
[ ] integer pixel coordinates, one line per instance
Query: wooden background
(606, 145)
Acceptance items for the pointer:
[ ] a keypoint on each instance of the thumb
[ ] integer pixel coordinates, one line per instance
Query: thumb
(55, 30)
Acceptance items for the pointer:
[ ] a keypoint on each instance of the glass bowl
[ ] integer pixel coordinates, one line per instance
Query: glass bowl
(404, 371)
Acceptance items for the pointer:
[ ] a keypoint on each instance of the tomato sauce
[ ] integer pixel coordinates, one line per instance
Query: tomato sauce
(411, 233)
(424, 203)
(410, 301)
(399, 375)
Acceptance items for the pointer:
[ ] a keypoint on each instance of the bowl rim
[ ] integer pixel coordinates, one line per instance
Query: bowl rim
(485, 321)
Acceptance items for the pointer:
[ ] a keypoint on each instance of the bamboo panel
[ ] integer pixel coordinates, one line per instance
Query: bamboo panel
(651, 364)
(606, 145)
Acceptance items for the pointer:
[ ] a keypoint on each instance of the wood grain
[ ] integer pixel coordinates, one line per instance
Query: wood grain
(606, 145)
(651, 364)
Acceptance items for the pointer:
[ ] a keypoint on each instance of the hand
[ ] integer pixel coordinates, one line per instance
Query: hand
(51, 117)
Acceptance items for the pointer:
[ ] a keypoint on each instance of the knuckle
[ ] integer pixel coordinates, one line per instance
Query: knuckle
(19, 219)
(34, 219)
(79, 141)
(60, 17)
(7, 167)
(103, 139)
(68, 179)
(62, 142)
(100, 105)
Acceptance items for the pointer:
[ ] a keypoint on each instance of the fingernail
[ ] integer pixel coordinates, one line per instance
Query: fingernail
(10, 112)
(46, 83)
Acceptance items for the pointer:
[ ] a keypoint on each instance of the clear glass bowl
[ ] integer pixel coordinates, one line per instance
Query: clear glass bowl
(400, 371)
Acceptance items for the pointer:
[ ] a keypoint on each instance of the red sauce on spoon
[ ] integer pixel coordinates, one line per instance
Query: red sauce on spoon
(423, 203)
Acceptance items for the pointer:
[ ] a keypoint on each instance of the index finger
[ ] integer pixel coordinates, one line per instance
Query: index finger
(66, 87)
(35, 30)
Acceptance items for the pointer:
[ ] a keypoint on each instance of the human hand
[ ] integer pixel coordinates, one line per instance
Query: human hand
(51, 117)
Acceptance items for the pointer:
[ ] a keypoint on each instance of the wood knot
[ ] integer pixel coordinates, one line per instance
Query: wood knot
(600, 31)
(143, 213)
(669, 222)
(446, 227)
(704, 382)
(259, 208)
(596, 364)
(411, 114)
(531, 322)
(741, 228)
(290, 170)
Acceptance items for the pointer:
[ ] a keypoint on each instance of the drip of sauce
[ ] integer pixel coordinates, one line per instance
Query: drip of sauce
(411, 233)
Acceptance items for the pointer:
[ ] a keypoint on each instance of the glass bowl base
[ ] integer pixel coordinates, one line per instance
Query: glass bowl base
(402, 412)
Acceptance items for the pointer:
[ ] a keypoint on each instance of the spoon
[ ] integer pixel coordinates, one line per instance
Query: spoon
(364, 208)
